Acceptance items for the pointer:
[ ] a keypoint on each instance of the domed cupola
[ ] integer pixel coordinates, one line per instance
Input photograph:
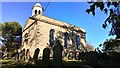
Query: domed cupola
(37, 9)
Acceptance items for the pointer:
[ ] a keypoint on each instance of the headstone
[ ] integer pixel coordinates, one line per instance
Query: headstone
(35, 56)
(46, 56)
(57, 54)
(22, 55)
(17, 56)
(91, 57)
(82, 56)
(27, 55)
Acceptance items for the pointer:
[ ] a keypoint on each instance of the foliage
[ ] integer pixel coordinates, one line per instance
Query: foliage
(114, 14)
(11, 35)
(0, 29)
(89, 47)
(110, 45)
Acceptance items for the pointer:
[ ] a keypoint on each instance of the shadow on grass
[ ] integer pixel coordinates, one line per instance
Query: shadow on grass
(66, 64)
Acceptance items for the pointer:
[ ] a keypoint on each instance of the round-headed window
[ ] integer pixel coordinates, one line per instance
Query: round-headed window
(35, 11)
(39, 12)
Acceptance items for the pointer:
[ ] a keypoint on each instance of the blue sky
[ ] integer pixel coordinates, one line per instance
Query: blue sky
(70, 12)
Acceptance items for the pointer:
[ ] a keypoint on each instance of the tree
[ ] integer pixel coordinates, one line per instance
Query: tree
(111, 45)
(11, 35)
(89, 47)
(114, 14)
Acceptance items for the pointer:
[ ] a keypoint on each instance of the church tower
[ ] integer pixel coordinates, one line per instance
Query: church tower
(37, 9)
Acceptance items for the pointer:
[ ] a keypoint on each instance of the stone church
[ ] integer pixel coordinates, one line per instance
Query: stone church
(41, 31)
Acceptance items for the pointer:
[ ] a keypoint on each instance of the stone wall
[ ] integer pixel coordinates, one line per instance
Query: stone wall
(37, 35)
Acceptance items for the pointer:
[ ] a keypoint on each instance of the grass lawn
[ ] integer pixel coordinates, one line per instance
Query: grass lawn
(66, 64)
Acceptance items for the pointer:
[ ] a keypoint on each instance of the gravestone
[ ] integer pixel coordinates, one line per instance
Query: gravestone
(17, 56)
(22, 55)
(82, 56)
(91, 57)
(35, 56)
(27, 58)
(46, 55)
(57, 54)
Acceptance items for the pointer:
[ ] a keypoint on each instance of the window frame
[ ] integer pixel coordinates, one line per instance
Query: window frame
(66, 39)
(52, 37)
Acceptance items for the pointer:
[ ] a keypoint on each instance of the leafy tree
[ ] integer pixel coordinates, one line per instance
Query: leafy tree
(89, 47)
(111, 7)
(11, 35)
(111, 45)
(0, 29)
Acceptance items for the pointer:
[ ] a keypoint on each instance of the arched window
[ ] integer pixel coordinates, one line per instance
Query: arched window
(26, 37)
(65, 39)
(39, 12)
(35, 11)
(51, 39)
(83, 35)
(77, 41)
(36, 53)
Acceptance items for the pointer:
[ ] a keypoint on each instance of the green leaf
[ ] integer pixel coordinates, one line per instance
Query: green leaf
(93, 12)
(104, 26)
(111, 11)
(101, 6)
(97, 4)
(92, 7)
(115, 4)
(108, 4)
(109, 21)
(88, 11)
(100, 45)
(105, 10)
(90, 2)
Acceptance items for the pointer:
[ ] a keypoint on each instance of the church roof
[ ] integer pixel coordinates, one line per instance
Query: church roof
(55, 22)
(37, 5)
